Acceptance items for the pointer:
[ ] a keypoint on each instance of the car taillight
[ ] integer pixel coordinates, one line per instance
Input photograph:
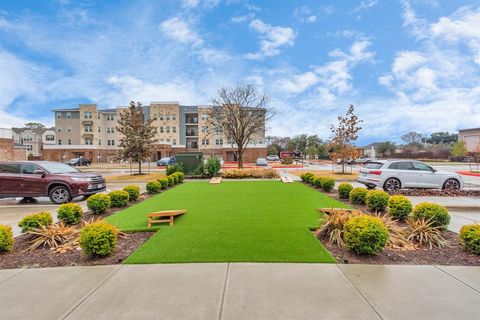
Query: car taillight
(376, 172)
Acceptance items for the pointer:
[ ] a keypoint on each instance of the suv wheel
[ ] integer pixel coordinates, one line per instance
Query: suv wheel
(391, 185)
(60, 195)
(451, 184)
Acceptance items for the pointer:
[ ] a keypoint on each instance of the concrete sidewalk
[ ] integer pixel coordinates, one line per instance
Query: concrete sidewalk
(241, 291)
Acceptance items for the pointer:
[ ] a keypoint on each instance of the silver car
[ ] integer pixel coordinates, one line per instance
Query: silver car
(393, 175)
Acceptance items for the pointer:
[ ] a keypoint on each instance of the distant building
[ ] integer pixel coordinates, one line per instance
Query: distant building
(91, 133)
(471, 137)
(8, 149)
(32, 138)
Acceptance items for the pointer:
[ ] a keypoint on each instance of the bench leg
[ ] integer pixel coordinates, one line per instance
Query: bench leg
(171, 220)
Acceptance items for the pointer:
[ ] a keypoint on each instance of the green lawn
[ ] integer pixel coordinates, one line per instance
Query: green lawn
(248, 221)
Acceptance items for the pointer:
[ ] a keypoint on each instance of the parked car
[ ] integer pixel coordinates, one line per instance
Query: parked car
(393, 175)
(362, 160)
(79, 162)
(273, 157)
(262, 162)
(59, 181)
(166, 161)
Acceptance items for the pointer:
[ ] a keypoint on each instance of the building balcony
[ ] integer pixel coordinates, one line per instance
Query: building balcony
(192, 123)
(87, 121)
(87, 135)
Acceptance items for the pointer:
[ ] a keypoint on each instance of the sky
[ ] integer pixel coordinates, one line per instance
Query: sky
(404, 65)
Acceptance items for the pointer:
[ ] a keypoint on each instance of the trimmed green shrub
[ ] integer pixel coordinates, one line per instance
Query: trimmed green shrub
(470, 238)
(99, 203)
(33, 221)
(213, 167)
(306, 176)
(328, 184)
(365, 234)
(399, 207)
(133, 192)
(438, 214)
(358, 195)
(70, 213)
(98, 238)
(316, 181)
(171, 181)
(344, 190)
(376, 200)
(175, 178)
(163, 182)
(177, 167)
(6, 238)
(181, 176)
(154, 186)
(119, 198)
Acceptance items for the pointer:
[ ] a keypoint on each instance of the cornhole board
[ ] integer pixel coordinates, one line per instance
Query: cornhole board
(216, 180)
(286, 179)
(168, 214)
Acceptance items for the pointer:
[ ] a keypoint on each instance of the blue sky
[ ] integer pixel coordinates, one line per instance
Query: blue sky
(405, 65)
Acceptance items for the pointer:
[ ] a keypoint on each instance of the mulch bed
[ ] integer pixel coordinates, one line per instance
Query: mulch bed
(43, 257)
(438, 193)
(454, 254)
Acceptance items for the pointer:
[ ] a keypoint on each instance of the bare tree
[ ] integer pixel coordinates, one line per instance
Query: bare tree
(241, 112)
(412, 138)
(344, 134)
(138, 134)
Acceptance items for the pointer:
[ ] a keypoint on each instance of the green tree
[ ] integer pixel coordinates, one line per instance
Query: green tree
(459, 149)
(138, 140)
(442, 138)
(272, 150)
(386, 147)
(312, 151)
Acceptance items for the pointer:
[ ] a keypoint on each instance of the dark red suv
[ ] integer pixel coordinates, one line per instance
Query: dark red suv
(56, 180)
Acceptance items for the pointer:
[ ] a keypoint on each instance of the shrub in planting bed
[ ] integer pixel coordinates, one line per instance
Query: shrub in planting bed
(98, 238)
(470, 238)
(33, 221)
(376, 200)
(175, 178)
(133, 192)
(70, 213)
(317, 181)
(434, 212)
(180, 175)
(399, 207)
(328, 184)
(250, 173)
(172, 168)
(365, 234)
(344, 190)
(306, 176)
(119, 198)
(99, 203)
(163, 182)
(171, 181)
(358, 195)
(153, 186)
(6, 238)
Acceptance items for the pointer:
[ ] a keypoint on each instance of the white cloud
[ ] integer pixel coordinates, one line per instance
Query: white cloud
(242, 18)
(298, 83)
(180, 30)
(304, 14)
(272, 38)
(365, 5)
(191, 4)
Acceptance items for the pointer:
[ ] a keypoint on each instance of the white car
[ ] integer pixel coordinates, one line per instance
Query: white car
(393, 175)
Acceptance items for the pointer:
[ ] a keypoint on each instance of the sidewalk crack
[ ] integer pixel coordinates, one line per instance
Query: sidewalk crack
(227, 274)
(459, 280)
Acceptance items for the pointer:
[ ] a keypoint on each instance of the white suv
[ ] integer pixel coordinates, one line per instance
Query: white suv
(393, 175)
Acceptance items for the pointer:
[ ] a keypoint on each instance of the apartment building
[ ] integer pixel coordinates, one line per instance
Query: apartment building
(33, 138)
(9, 150)
(90, 132)
(471, 137)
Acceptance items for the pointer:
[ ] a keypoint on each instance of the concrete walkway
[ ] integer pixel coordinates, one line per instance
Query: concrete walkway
(241, 291)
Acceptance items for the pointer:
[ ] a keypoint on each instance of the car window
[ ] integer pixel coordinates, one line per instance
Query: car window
(422, 166)
(402, 165)
(374, 165)
(28, 169)
(57, 167)
(9, 168)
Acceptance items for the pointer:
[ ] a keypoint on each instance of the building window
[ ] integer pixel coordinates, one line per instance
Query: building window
(205, 142)
(168, 129)
(204, 117)
(87, 115)
(88, 128)
(59, 129)
(50, 137)
(29, 147)
(174, 129)
(219, 142)
(110, 130)
(88, 141)
(161, 129)
(59, 115)
(160, 116)
(69, 129)
(59, 141)
(168, 140)
(99, 142)
(69, 115)
(204, 129)
(168, 117)
(174, 142)
(110, 117)
(99, 129)
(111, 142)
(69, 141)
(174, 117)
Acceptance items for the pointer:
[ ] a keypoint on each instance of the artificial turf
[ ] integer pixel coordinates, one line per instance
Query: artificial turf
(245, 221)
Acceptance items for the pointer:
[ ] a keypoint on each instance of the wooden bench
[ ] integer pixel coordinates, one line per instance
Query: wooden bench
(169, 214)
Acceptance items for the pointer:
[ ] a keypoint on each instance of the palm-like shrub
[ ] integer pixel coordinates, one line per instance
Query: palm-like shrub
(470, 238)
(70, 213)
(99, 203)
(332, 227)
(399, 207)
(133, 192)
(424, 232)
(344, 190)
(35, 220)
